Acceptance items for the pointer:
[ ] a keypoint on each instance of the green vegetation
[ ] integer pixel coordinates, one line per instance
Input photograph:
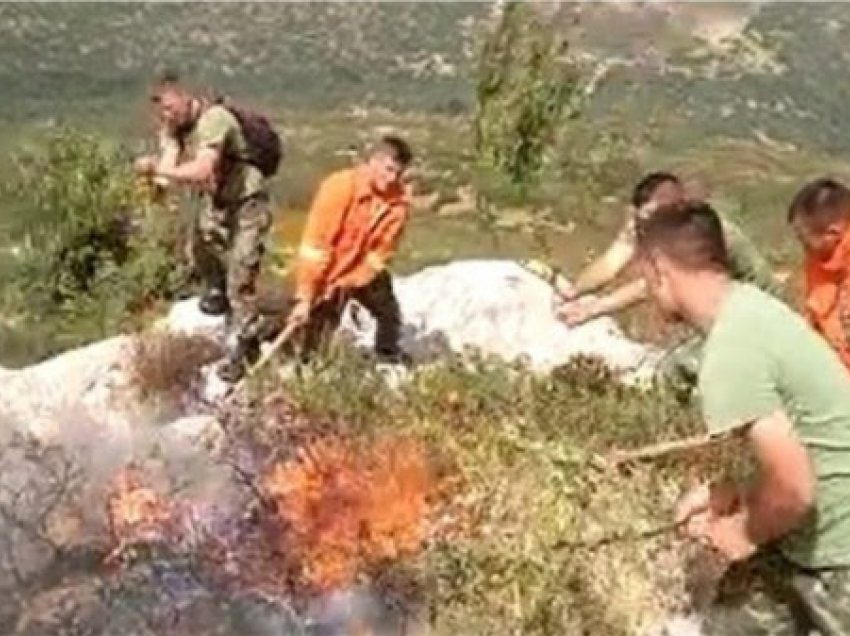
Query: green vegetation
(516, 546)
(85, 253)
(99, 55)
(89, 252)
(781, 74)
(525, 86)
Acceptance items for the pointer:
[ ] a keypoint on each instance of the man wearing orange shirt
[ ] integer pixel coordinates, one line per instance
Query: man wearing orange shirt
(352, 232)
(820, 216)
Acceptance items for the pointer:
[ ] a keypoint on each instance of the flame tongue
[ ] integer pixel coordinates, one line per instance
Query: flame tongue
(341, 513)
(342, 510)
(136, 512)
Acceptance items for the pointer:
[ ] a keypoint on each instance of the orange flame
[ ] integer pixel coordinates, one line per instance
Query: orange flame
(135, 511)
(342, 510)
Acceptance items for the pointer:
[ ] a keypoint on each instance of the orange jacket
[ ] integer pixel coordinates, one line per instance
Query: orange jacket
(828, 297)
(351, 234)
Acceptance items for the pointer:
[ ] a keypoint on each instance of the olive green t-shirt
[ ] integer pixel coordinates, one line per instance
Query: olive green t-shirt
(218, 128)
(761, 357)
(746, 264)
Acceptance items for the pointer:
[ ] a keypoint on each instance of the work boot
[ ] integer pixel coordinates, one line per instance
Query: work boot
(395, 358)
(214, 303)
(244, 354)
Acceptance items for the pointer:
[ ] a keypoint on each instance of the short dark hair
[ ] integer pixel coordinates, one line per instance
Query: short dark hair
(690, 233)
(820, 203)
(395, 147)
(167, 80)
(646, 187)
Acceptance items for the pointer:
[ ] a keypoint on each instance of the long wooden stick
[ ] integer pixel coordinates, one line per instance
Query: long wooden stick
(662, 449)
(546, 273)
(623, 536)
(282, 338)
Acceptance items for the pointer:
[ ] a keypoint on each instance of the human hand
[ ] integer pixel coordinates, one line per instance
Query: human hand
(577, 312)
(299, 315)
(565, 290)
(695, 502)
(145, 166)
(728, 535)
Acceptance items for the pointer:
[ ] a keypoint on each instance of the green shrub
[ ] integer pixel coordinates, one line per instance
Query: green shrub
(526, 87)
(533, 491)
(94, 249)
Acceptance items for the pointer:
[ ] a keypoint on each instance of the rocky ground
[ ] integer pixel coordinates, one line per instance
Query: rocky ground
(76, 422)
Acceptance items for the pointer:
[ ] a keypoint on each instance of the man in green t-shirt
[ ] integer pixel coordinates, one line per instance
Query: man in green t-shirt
(767, 377)
(204, 147)
(654, 190)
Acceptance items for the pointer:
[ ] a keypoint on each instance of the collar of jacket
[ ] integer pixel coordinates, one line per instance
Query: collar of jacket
(363, 188)
(824, 277)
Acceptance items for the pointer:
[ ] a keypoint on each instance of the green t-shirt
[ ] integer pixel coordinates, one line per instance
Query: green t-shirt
(761, 357)
(218, 128)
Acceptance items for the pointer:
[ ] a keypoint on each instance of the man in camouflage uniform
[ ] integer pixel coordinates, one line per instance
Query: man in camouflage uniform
(765, 377)
(680, 364)
(204, 147)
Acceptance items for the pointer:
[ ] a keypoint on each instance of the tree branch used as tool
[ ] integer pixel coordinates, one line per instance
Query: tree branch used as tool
(283, 337)
(619, 537)
(550, 275)
(663, 449)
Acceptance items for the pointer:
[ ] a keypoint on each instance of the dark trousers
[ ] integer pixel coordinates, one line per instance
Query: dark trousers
(377, 298)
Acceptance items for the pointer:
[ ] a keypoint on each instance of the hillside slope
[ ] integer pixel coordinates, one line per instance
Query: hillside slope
(773, 70)
(770, 70)
(307, 54)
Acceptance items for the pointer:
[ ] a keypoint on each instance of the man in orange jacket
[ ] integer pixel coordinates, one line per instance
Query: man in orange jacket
(352, 232)
(820, 216)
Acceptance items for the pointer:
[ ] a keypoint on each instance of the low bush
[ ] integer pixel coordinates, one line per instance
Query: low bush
(162, 363)
(539, 532)
(93, 248)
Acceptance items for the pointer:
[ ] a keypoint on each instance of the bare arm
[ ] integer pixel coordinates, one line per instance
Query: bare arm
(785, 490)
(738, 520)
(582, 310)
(606, 268)
(621, 298)
(199, 171)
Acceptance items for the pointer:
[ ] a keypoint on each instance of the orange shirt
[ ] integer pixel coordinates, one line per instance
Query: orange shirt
(351, 234)
(828, 297)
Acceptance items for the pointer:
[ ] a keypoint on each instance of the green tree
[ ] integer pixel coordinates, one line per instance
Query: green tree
(93, 248)
(527, 86)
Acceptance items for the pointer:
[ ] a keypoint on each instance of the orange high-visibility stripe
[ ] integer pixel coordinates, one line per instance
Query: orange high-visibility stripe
(828, 298)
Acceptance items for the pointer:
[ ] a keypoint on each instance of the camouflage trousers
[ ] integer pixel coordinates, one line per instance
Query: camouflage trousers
(377, 298)
(680, 364)
(769, 596)
(227, 248)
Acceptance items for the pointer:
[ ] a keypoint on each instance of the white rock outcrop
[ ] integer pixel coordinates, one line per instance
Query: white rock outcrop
(501, 309)
(79, 393)
(494, 306)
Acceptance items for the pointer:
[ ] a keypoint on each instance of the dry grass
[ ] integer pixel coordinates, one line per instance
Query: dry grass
(165, 364)
(517, 548)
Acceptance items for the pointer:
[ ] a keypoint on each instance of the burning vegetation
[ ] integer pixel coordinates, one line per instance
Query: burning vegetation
(135, 512)
(469, 501)
(337, 515)
(343, 510)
